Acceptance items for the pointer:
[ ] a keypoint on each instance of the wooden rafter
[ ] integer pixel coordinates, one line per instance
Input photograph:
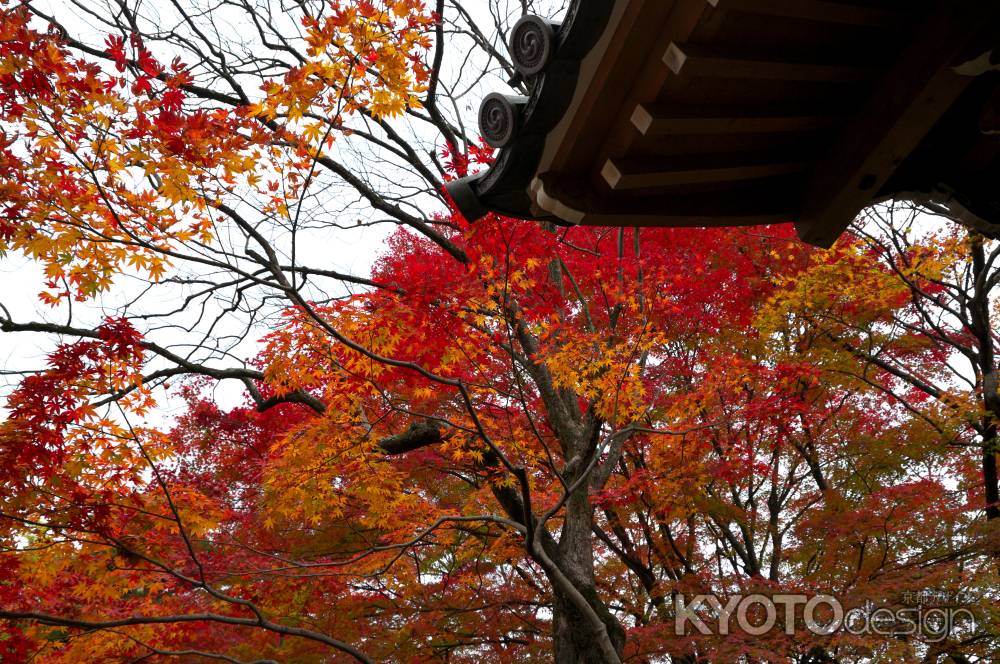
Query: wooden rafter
(913, 95)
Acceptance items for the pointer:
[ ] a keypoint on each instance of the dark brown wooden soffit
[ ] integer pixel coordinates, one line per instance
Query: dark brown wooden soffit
(740, 112)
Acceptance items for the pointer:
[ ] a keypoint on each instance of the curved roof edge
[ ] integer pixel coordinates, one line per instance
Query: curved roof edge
(505, 186)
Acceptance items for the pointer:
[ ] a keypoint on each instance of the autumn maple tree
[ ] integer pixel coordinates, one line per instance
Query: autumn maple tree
(507, 441)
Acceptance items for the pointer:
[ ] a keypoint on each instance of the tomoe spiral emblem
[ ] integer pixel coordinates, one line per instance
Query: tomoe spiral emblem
(532, 40)
(498, 118)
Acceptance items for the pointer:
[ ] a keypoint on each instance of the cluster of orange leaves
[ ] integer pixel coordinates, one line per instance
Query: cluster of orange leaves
(99, 176)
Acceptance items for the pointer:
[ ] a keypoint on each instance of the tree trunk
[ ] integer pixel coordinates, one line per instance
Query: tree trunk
(573, 637)
(979, 311)
(991, 486)
(574, 640)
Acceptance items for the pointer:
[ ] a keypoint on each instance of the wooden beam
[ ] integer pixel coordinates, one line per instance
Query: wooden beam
(574, 202)
(654, 121)
(664, 218)
(624, 174)
(689, 60)
(819, 11)
(916, 91)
